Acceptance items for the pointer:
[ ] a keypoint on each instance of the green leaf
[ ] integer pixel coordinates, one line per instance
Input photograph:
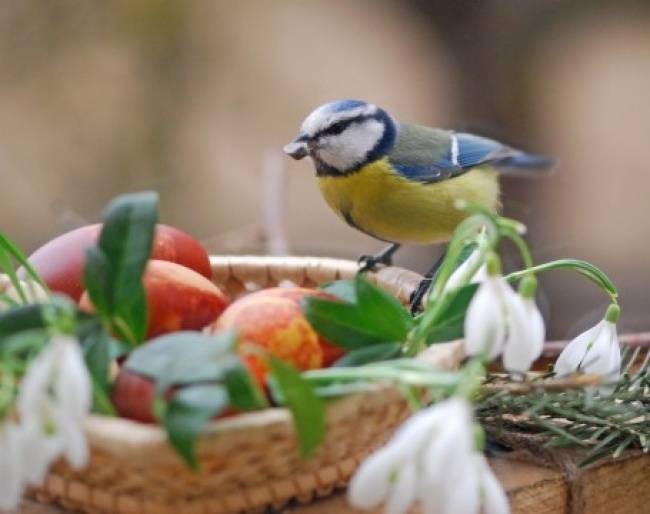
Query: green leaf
(342, 323)
(243, 391)
(97, 279)
(188, 412)
(23, 345)
(376, 317)
(100, 349)
(452, 319)
(368, 354)
(17, 319)
(113, 273)
(184, 357)
(15, 252)
(7, 266)
(383, 309)
(342, 289)
(307, 409)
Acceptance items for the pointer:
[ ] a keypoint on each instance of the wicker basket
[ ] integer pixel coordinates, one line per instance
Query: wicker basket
(249, 462)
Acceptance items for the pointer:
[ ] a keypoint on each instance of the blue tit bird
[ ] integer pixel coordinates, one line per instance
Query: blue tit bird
(399, 182)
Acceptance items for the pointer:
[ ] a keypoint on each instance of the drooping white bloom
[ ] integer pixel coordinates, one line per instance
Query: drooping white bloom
(456, 278)
(526, 333)
(486, 318)
(54, 398)
(596, 350)
(502, 321)
(431, 459)
(11, 452)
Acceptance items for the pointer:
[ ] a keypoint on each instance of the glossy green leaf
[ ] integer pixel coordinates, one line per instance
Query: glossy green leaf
(113, 273)
(342, 323)
(184, 357)
(367, 354)
(244, 393)
(383, 309)
(97, 279)
(452, 319)
(342, 289)
(307, 409)
(188, 412)
(375, 317)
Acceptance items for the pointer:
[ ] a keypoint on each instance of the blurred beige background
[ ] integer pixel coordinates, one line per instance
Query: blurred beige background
(193, 98)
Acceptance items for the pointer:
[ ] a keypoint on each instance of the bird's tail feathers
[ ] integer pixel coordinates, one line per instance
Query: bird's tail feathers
(524, 164)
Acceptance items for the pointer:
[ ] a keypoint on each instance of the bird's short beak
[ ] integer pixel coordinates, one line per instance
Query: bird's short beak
(296, 149)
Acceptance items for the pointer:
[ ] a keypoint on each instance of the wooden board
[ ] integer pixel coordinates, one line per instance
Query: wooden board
(614, 486)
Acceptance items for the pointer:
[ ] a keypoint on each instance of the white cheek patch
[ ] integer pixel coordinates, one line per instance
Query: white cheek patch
(348, 149)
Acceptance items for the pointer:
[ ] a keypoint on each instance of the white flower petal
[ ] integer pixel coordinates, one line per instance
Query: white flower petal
(43, 450)
(495, 500)
(464, 494)
(11, 472)
(526, 333)
(456, 278)
(604, 356)
(595, 351)
(34, 385)
(372, 481)
(404, 490)
(485, 320)
(73, 387)
(574, 353)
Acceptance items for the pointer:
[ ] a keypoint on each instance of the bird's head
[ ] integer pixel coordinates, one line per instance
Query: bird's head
(344, 135)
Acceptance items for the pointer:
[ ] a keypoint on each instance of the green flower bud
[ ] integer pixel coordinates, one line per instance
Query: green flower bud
(528, 286)
(493, 264)
(613, 313)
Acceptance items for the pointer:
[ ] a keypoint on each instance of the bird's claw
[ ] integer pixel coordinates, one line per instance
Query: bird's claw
(367, 263)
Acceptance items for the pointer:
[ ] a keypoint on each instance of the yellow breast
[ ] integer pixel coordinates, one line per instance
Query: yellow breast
(385, 205)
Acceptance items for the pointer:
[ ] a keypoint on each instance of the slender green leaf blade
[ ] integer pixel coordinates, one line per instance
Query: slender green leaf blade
(7, 266)
(6, 243)
(24, 317)
(307, 409)
(368, 354)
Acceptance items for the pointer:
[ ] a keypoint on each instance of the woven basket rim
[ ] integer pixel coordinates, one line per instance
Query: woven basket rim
(132, 439)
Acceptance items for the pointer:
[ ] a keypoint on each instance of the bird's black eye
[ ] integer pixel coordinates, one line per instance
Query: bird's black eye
(336, 128)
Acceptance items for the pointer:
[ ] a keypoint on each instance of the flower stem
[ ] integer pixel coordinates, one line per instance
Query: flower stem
(593, 273)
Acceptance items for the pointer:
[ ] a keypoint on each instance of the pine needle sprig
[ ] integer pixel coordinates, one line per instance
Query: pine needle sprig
(605, 420)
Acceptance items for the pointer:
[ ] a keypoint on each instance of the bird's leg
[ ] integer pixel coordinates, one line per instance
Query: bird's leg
(425, 283)
(369, 262)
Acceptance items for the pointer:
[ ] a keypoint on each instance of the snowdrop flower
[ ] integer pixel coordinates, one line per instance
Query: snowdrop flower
(526, 331)
(456, 278)
(11, 450)
(594, 351)
(431, 460)
(54, 398)
(501, 321)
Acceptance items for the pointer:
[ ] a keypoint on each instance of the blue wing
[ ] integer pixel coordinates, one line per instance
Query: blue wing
(431, 155)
